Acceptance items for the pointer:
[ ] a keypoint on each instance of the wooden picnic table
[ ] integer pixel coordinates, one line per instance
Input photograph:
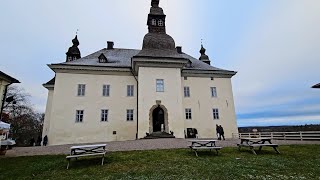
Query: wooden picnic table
(210, 144)
(87, 150)
(257, 142)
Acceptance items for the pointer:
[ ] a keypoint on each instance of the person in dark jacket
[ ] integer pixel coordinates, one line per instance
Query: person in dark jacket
(221, 132)
(39, 141)
(32, 141)
(218, 131)
(45, 140)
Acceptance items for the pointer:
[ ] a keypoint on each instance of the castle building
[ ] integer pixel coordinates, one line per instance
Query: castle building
(118, 94)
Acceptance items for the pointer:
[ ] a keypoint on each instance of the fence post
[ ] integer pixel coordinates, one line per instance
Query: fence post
(301, 138)
(271, 135)
(284, 136)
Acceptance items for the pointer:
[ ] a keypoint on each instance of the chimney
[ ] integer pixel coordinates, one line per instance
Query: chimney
(179, 49)
(110, 44)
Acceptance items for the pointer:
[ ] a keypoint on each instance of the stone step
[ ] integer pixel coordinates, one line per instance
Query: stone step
(158, 135)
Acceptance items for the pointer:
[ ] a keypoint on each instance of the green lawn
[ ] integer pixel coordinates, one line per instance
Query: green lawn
(294, 162)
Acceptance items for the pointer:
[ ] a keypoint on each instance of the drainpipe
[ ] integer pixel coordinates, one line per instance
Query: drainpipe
(137, 98)
(4, 99)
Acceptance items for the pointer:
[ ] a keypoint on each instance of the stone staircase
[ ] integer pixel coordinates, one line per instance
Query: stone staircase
(159, 135)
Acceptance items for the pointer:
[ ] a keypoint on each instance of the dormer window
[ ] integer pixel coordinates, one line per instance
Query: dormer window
(69, 58)
(160, 22)
(102, 58)
(189, 64)
(74, 58)
(154, 22)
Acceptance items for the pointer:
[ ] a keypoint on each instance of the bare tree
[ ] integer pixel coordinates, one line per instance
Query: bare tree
(25, 122)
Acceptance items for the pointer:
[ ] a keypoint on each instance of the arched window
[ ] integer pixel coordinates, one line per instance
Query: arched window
(154, 22)
(160, 22)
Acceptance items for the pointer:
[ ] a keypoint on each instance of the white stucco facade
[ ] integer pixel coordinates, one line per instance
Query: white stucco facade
(5, 81)
(60, 120)
(3, 85)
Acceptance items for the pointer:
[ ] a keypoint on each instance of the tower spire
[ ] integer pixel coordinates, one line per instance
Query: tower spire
(74, 52)
(156, 18)
(204, 58)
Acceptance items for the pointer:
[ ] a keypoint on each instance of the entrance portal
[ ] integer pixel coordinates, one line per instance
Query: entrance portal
(158, 119)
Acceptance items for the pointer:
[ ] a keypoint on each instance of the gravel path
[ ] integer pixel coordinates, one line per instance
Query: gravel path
(145, 144)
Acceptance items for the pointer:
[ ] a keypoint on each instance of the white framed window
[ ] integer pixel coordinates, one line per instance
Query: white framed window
(188, 114)
(74, 58)
(79, 116)
(160, 85)
(213, 92)
(69, 58)
(104, 115)
(215, 113)
(106, 90)
(81, 89)
(154, 22)
(186, 91)
(129, 114)
(130, 90)
(160, 22)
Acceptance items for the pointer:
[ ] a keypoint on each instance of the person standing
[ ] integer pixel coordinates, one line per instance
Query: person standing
(32, 141)
(221, 133)
(45, 140)
(218, 132)
(39, 141)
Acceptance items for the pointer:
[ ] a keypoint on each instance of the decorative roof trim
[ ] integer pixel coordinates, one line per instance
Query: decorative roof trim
(8, 78)
(208, 73)
(157, 57)
(48, 86)
(57, 67)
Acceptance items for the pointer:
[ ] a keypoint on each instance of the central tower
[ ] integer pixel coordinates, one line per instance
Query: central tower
(156, 41)
(158, 68)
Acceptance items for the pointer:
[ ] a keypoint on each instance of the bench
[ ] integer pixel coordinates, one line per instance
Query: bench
(252, 146)
(204, 144)
(85, 155)
(86, 151)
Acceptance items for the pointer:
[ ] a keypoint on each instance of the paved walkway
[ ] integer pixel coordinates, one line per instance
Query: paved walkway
(145, 144)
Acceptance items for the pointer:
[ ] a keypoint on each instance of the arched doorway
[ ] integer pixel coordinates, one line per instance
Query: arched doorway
(158, 119)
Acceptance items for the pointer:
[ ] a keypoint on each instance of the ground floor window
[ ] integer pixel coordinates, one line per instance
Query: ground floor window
(129, 114)
(188, 114)
(79, 116)
(215, 113)
(104, 115)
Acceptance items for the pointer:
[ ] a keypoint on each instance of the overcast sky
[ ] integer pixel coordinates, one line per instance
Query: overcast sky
(273, 44)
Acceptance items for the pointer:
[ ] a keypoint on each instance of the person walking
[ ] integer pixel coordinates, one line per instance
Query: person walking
(221, 133)
(218, 131)
(39, 141)
(45, 140)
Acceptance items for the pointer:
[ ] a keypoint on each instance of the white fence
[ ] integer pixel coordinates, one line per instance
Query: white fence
(302, 135)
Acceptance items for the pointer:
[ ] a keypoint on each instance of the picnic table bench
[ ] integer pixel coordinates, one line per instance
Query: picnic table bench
(257, 142)
(87, 150)
(204, 144)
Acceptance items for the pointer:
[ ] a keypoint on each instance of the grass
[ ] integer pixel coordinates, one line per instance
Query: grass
(294, 162)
